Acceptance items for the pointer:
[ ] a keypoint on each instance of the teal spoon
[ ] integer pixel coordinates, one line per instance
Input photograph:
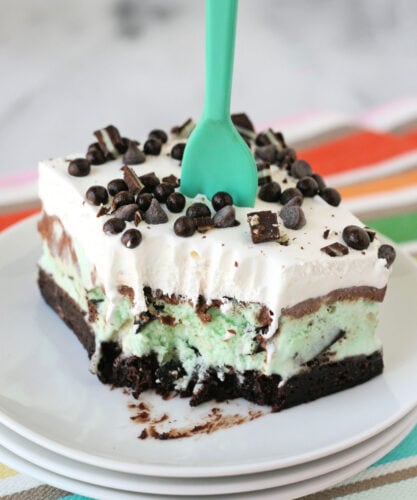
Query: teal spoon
(216, 158)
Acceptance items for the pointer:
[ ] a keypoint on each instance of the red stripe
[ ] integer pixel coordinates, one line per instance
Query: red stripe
(7, 220)
(356, 150)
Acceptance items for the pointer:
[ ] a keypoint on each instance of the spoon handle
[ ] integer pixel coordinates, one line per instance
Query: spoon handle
(220, 43)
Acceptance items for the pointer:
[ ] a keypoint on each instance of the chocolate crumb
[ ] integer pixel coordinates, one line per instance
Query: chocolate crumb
(326, 234)
(143, 434)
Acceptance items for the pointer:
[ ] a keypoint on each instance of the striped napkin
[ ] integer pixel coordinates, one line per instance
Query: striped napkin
(372, 160)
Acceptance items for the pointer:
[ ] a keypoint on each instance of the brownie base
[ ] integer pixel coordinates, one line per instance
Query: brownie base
(320, 377)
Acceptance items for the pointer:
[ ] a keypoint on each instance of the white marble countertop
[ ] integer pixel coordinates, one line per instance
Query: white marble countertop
(68, 68)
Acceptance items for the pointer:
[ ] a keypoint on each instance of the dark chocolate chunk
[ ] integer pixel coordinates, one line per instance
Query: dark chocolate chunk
(387, 252)
(290, 193)
(225, 217)
(110, 142)
(143, 201)
(183, 131)
(159, 134)
(326, 234)
(152, 147)
(286, 157)
(122, 198)
(150, 181)
(133, 155)
(300, 169)
(95, 155)
(262, 140)
(97, 195)
(171, 179)
(270, 137)
(175, 203)
(264, 173)
(184, 226)
(308, 186)
(116, 185)
(320, 182)
(331, 196)
(177, 151)
(126, 212)
(133, 182)
(198, 209)
(203, 224)
(162, 191)
(292, 216)
(266, 153)
(270, 192)
(263, 226)
(356, 237)
(242, 120)
(155, 213)
(220, 200)
(131, 238)
(80, 167)
(114, 226)
(335, 250)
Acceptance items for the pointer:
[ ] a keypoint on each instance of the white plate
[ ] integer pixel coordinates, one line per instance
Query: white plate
(200, 486)
(287, 492)
(48, 396)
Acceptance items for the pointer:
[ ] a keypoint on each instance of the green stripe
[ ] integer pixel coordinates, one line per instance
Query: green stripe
(399, 228)
(407, 448)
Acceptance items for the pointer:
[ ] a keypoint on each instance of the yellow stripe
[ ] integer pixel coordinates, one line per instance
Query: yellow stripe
(6, 472)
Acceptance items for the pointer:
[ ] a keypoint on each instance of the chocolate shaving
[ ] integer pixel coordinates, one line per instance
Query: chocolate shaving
(183, 131)
(132, 180)
(335, 250)
(103, 210)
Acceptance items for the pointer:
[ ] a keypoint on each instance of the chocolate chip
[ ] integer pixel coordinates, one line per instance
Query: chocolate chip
(295, 200)
(371, 233)
(270, 192)
(116, 185)
(264, 173)
(221, 199)
(171, 179)
(263, 226)
(320, 182)
(122, 198)
(225, 217)
(155, 213)
(198, 210)
(326, 234)
(356, 237)
(126, 212)
(184, 130)
(184, 226)
(133, 155)
(95, 155)
(110, 141)
(266, 153)
(143, 201)
(308, 186)
(292, 216)
(162, 191)
(103, 211)
(125, 144)
(300, 169)
(335, 250)
(150, 181)
(114, 226)
(97, 195)
(177, 151)
(387, 252)
(131, 238)
(133, 182)
(80, 167)
(262, 140)
(152, 147)
(331, 196)
(175, 202)
(158, 134)
(288, 194)
(286, 157)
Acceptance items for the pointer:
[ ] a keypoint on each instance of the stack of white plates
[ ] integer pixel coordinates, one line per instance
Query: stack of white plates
(60, 425)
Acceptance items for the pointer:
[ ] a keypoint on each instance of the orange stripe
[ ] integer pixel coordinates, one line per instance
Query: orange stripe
(355, 150)
(11, 218)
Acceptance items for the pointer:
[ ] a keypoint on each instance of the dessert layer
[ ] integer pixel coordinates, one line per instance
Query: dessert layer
(219, 263)
(219, 335)
(319, 378)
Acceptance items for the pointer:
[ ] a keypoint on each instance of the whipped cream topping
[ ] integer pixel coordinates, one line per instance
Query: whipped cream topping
(220, 263)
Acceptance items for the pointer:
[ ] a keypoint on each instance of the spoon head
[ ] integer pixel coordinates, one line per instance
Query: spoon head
(216, 159)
